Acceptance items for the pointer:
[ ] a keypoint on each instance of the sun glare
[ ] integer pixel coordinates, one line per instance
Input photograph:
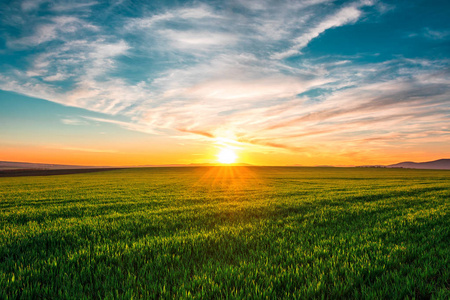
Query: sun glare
(226, 156)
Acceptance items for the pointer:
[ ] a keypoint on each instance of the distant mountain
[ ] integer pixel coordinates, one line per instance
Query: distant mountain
(13, 165)
(8, 165)
(440, 164)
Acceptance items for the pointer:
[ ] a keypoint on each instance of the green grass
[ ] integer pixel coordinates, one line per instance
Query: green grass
(227, 233)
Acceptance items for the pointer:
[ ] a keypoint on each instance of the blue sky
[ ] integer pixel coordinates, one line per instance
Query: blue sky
(341, 82)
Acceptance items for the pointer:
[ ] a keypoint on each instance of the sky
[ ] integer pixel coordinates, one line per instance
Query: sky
(311, 82)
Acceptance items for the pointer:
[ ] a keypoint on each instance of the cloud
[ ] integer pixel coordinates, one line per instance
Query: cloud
(127, 125)
(31, 4)
(55, 77)
(346, 15)
(436, 34)
(55, 28)
(203, 133)
(198, 40)
(191, 14)
(74, 121)
(64, 6)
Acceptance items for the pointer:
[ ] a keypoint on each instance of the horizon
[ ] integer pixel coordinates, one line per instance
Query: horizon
(218, 164)
(348, 83)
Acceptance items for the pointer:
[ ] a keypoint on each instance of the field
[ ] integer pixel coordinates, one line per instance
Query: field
(227, 232)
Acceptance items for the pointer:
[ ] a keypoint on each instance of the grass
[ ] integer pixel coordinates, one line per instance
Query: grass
(227, 232)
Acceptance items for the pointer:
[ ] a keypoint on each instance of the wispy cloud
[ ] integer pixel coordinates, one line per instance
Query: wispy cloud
(51, 29)
(74, 121)
(135, 126)
(344, 16)
(71, 6)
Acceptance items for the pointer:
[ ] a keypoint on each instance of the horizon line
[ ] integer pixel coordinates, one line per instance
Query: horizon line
(16, 165)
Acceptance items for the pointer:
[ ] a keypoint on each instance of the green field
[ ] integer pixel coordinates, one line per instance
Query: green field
(227, 232)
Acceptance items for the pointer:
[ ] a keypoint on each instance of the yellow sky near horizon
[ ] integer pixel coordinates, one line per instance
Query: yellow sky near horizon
(198, 154)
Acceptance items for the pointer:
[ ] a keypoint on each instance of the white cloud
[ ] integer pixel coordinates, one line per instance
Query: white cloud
(436, 34)
(197, 40)
(134, 126)
(74, 121)
(55, 28)
(70, 6)
(56, 77)
(29, 5)
(344, 16)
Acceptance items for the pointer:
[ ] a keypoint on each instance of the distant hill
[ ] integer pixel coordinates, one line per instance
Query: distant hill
(440, 164)
(8, 165)
(13, 165)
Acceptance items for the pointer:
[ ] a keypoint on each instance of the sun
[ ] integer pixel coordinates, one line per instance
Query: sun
(226, 156)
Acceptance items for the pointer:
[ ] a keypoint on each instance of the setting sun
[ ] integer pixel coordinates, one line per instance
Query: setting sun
(226, 156)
